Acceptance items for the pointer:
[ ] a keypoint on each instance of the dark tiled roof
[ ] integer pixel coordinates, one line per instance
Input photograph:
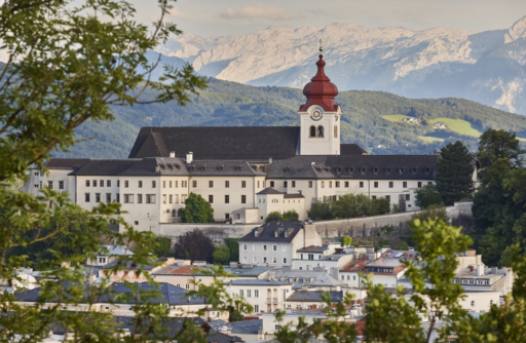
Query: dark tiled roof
(244, 143)
(66, 163)
(134, 167)
(315, 296)
(164, 294)
(270, 190)
(375, 167)
(275, 231)
(351, 149)
(222, 168)
(313, 249)
(293, 196)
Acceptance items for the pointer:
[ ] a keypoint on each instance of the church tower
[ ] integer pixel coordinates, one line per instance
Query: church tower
(320, 115)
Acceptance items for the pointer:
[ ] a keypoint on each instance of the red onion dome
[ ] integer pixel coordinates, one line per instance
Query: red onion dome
(320, 90)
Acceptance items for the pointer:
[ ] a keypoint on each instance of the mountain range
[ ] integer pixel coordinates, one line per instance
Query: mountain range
(487, 67)
(378, 121)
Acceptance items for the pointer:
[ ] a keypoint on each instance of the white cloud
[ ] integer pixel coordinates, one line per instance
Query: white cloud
(256, 12)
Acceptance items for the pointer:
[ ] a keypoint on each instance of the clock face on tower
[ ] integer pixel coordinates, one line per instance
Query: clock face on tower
(316, 113)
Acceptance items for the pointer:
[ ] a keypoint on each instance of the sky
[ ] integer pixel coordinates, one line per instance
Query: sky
(233, 17)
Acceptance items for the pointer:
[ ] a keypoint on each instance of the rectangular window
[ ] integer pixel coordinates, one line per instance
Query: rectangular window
(164, 184)
(177, 184)
(101, 183)
(227, 184)
(118, 183)
(404, 184)
(126, 183)
(337, 184)
(346, 184)
(310, 184)
(391, 184)
(87, 183)
(86, 197)
(210, 184)
(50, 184)
(170, 183)
(164, 199)
(61, 184)
(139, 183)
(256, 294)
(285, 184)
(243, 199)
(108, 183)
(128, 198)
(330, 184)
(94, 183)
(227, 199)
(154, 184)
(419, 185)
(139, 198)
(361, 184)
(323, 184)
(150, 198)
(293, 183)
(118, 197)
(211, 199)
(407, 197)
(272, 184)
(243, 184)
(170, 198)
(375, 184)
(108, 197)
(194, 183)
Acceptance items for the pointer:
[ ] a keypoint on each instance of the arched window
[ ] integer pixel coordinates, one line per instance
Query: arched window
(312, 131)
(320, 131)
(335, 131)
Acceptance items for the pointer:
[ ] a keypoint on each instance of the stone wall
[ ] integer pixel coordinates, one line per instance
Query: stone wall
(361, 227)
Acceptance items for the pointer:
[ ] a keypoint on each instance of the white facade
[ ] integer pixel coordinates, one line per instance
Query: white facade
(263, 295)
(276, 246)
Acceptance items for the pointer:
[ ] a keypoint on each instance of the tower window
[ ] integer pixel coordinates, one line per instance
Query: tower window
(335, 131)
(312, 131)
(320, 131)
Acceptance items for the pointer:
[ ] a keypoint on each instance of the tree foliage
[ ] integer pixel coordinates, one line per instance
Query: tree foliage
(500, 200)
(195, 246)
(454, 180)
(221, 254)
(349, 206)
(197, 210)
(428, 196)
(286, 216)
(68, 62)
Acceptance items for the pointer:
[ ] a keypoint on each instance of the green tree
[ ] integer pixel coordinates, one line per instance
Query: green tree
(273, 217)
(454, 179)
(221, 255)
(290, 216)
(321, 211)
(233, 248)
(497, 205)
(195, 246)
(67, 62)
(163, 247)
(346, 241)
(197, 210)
(428, 196)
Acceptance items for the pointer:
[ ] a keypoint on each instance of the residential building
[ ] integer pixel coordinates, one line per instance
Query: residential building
(276, 243)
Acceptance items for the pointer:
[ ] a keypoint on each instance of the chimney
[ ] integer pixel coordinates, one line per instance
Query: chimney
(172, 154)
(189, 157)
(270, 160)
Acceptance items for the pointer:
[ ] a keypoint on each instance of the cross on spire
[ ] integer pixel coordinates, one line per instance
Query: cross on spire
(321, 47)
